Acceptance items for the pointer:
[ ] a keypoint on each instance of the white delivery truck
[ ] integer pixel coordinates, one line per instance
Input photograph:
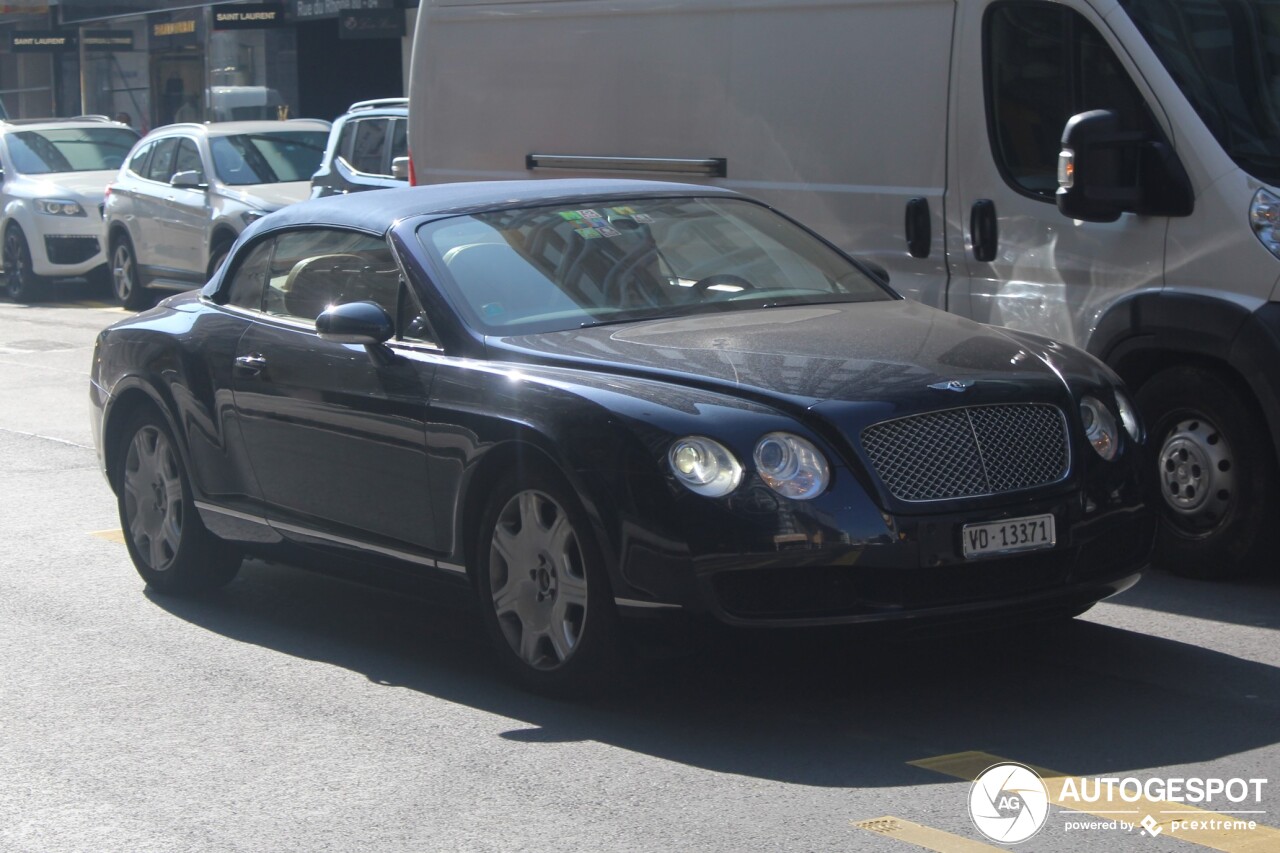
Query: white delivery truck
(927, 136)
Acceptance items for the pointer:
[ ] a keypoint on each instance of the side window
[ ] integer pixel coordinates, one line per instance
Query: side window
(399, 138)
(345, 140)
(138, 162)
(161, 166)
(370, 143)
(188, 159)
(317, 268)
(1044, 64)
(250, 277)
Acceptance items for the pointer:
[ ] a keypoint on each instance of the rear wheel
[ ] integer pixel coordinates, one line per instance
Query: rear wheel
(543, 589)
(169, 545)
(125, 281)
(1212, 474)
(21, 283)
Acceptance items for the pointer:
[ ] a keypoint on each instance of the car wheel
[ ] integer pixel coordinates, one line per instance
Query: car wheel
(169, 545)
(21, 284)
(1213, 474)
(125, 282)
(543, 589)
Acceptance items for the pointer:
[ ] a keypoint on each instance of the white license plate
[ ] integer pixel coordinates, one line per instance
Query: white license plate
(1004, 537)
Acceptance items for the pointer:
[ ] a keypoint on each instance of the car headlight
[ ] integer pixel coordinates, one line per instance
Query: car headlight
(1128, 416)
(791, 466)
(59, 207)
(1099, 427)
(1264, 216)
(704, 466)
(249, 217)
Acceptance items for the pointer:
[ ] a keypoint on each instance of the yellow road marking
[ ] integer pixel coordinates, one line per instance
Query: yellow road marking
(1263, 839)
(922, 836)
(116, 536)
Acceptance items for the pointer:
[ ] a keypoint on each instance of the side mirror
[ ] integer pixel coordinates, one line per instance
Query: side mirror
(1104, 171)
(365, 324)
(189, 180)
(400, 168)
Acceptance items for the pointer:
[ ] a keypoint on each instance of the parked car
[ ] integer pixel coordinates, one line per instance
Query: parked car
(188, 190)
(601, 401)
(363, 148)
(54, 172)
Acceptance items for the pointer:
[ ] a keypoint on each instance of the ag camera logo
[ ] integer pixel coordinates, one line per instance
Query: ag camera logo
(1008, 803)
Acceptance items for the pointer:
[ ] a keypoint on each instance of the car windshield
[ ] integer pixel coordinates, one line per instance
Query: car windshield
(569, 266)
(1225, 56)
(275, 157)
(71, 149)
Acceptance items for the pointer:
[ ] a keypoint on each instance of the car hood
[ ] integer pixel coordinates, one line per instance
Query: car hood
(895, 356)
(269, 196)
(83, 186)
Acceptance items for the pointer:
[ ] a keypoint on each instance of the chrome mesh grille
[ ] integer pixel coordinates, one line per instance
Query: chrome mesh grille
(959, 453)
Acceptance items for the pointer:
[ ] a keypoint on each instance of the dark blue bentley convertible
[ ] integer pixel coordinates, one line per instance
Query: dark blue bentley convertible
(602, 401)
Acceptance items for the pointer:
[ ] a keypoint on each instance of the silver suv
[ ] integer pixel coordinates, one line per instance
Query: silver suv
(53, 175)
(188, 190)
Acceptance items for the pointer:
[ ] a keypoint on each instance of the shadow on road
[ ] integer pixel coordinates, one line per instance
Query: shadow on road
(824, 710)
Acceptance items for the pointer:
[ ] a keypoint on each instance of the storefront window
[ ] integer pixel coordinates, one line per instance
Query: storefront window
(252, 75)
(115, 74)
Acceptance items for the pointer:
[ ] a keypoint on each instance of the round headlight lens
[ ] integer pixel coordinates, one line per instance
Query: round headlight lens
(704, 466)
(1128, 416)
(1099, 427)
(791, 466)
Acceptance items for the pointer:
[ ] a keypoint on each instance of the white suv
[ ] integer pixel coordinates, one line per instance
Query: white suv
(188, 190)
(54, 173)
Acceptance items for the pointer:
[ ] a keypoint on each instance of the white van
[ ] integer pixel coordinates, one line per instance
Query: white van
(927, 136)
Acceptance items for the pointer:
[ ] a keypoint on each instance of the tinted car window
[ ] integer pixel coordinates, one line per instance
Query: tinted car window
(1045, 63)
(370, 141)
(138, 162)
(188, 159)
(162, 159)
(250, 278)
(313, 270)
(72, 149)
(267, 158)
(399, 138)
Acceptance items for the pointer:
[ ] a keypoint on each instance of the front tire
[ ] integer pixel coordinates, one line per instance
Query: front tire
(21, 283)
(169, 545)
(126, 284)
(1212, 471)
(543, 589)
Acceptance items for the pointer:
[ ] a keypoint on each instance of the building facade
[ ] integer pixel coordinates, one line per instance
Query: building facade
(154, 62)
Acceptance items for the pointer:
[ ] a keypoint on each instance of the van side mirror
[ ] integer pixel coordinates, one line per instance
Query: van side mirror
(400, 168)
(1104, 171)
(189, 180)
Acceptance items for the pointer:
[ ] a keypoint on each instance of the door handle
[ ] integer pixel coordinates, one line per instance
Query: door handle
(250, 365)
(983, 230)
(919, 228)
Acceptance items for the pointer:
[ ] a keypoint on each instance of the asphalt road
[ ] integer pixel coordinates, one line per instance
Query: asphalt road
(294, 712)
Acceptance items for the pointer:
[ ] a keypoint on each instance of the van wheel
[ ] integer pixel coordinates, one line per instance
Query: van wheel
(21, 283)
(1212, 474)
(125, 281)
(543, 590)
(169, 545)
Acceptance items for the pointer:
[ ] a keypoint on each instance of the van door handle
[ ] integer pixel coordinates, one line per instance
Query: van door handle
(983, 230)
(250, 365)
(919, 228)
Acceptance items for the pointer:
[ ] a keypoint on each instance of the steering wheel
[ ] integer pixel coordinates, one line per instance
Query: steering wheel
(702, 285)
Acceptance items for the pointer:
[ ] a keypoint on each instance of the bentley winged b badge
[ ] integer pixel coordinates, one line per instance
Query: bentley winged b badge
(953, 385)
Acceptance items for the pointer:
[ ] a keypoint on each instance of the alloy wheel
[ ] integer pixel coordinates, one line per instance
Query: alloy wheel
(153, 504)
(538, 580)
(122, 273)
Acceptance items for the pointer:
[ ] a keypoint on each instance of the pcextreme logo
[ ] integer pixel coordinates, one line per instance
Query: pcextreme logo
(1009, 803)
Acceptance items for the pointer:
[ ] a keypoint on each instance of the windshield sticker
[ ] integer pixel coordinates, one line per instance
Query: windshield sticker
(606, 231)
(587, 233)
(624, 211)
(643, 217)
(570, 215)
(588, 214)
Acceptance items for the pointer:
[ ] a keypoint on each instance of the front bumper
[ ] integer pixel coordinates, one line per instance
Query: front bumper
(66, 246)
